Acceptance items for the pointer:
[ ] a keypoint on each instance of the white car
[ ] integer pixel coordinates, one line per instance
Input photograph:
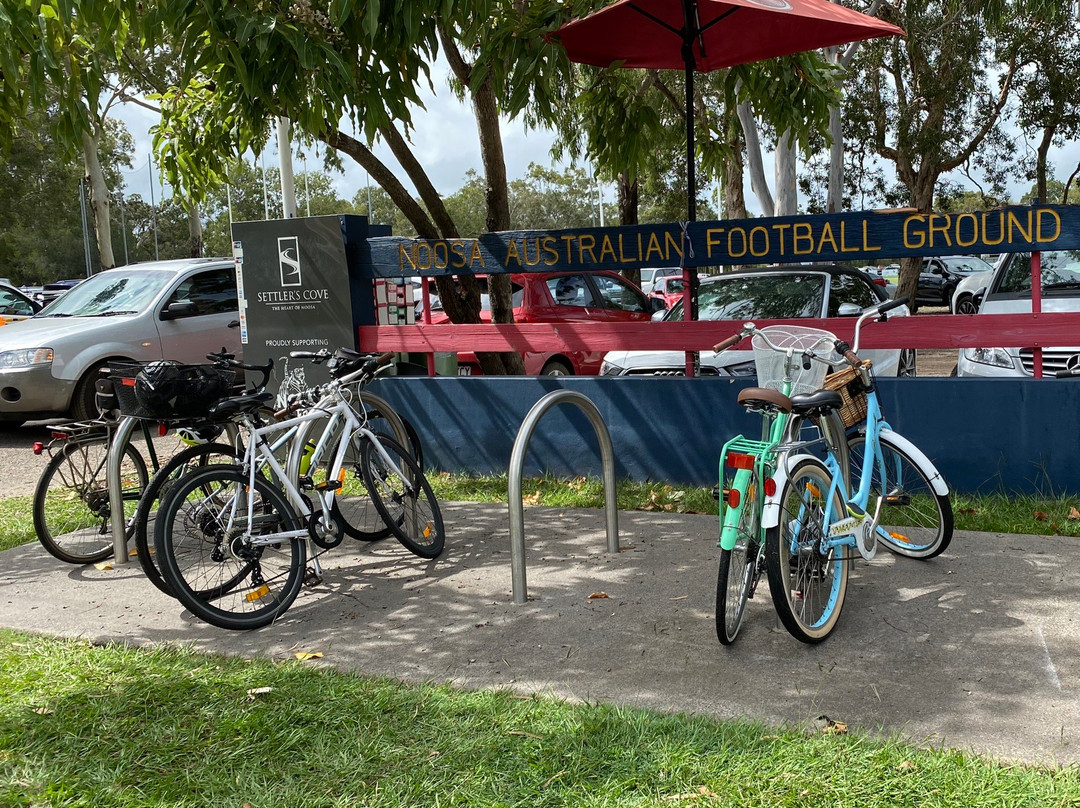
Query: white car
(775, 293)
(1009, 292)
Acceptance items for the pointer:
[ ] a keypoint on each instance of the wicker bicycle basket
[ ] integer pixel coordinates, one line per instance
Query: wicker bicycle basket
(848, 383)
(772, 366)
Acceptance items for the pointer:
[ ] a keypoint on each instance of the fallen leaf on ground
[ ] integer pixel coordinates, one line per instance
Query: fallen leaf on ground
(907, 764)
(1041, 516)
(43, 711)
(596, 595)
(258, 691)
(526, 734)
(304, 656)
(1073, 514)
(531, 499)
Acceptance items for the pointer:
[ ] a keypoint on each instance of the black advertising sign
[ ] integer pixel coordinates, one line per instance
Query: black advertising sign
(870, 236)
(294, 286)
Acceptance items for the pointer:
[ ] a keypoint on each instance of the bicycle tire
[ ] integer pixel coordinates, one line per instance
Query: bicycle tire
(808, 587)
(407, 503)
(183, 462)
(738, 568)
(71, 509)
(915, 521)
(206, 556)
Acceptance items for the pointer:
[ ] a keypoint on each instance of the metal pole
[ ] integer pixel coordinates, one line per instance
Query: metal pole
(307, 191)
(266, 196)
(288, 186)
(517, 464)
(228, 201)
(153, 204)
(85, 231)
(370, 213)
(123, 228)
(114, 482)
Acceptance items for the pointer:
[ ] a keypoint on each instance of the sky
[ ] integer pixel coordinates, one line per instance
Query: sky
(446, 144)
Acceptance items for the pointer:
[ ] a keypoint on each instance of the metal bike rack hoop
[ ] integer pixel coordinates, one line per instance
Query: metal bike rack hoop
(114, 459)
(517, 464)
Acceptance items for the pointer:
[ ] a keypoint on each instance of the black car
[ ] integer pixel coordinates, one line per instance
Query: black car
(939, 276)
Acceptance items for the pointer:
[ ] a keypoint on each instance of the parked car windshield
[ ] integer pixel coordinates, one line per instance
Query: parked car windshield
(109, 293)
(966, 264)
(1060, 269)
(761, 297)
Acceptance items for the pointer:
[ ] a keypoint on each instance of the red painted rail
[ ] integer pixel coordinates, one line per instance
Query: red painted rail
(925, 331)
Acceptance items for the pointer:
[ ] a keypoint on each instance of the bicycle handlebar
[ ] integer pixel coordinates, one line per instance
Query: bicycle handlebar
(730, 342)
(227, 359)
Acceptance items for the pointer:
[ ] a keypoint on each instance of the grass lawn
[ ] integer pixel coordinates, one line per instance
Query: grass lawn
(84, 725)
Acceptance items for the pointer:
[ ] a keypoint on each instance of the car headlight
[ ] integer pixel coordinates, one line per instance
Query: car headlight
(26, 358)
(610, 369)
(996, 357)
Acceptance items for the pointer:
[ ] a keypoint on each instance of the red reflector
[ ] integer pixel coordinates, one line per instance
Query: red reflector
(770, 486)
(733, 498)
(162, 430)
(59, 435)
(128, 382)
(740, 461)
(39, 447)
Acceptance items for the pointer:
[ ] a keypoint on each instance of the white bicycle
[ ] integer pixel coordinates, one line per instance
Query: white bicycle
(233, 540)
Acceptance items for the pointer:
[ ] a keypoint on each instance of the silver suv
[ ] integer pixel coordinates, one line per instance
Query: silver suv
(1009, 292)
(159, 310)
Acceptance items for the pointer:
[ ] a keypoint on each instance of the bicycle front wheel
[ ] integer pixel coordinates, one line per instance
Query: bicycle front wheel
(739, 566)
(915, 521)
(179, 465)
(72, 515)
(226, 570)
(807, 579)
(403, 497)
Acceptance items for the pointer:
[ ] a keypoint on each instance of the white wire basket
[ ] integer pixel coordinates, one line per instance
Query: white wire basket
(772, 366)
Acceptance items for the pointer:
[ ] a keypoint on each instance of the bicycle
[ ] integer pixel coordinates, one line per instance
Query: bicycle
(747, 467)
(810, 517)
(233, 544)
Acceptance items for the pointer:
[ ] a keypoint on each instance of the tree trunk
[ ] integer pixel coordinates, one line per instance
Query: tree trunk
(786, 188)
(734, 195)
(758, 183)
(922, 199)
(461, 300)
(99, 201)
(835, 201)
(1040, 162)
(497, 197)
(195, 231)
(628, 215)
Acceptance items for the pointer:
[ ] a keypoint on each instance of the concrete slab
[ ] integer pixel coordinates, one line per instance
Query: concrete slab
(974, 650)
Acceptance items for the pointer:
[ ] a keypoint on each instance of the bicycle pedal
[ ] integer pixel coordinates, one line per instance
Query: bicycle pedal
(312, 578)
(307, 484)
(329, 485)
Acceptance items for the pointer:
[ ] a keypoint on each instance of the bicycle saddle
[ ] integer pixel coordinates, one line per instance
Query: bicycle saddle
(247, 403)
(756, 397)
(816, 403)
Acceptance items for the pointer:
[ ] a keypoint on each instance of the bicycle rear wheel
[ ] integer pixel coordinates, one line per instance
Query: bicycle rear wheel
(915, 521)
(403, 496)
(72, 515)
(185, 462)
(808, 583)
(738, 569)
(215, 561)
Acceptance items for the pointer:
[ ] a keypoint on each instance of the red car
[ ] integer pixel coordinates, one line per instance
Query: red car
(668, 290)
(562, 297)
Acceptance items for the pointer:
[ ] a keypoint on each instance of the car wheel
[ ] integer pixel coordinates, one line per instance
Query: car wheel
(906, 364)
(955, 370)
(966, 305)
(556, 367)
(83, 403)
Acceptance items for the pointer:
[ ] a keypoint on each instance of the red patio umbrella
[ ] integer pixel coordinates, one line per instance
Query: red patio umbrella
(692, 35)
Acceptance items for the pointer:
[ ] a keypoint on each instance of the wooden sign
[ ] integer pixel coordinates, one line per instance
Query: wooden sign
(866, 236)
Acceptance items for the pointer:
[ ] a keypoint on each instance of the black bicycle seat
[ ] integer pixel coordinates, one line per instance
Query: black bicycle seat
(232, 406)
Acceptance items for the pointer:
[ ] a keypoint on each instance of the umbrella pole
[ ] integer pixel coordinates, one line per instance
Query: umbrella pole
(689, 274)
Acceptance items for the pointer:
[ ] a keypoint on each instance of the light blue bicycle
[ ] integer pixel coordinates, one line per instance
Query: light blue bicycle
(815, 518)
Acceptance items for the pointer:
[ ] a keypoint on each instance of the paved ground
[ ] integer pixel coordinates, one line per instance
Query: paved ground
(974, 650)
